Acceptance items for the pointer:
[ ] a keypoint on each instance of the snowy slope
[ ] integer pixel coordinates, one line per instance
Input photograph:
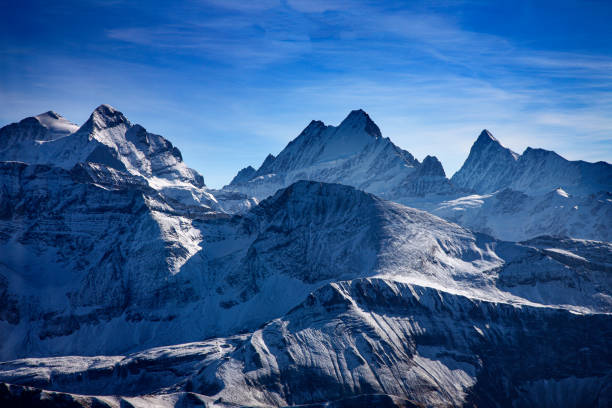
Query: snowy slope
(89, 261)
(33, 131)
(389, 343)
(515, 216)
(352, 153)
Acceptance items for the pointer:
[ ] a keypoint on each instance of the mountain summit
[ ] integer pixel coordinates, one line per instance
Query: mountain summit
(491, 167)
(110, 140)
(105, 116)
(487, 156)
(360, 120)
(353, 153)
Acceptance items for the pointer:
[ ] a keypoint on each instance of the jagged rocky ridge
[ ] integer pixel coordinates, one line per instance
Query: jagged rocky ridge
(102, 263)
(496, 191)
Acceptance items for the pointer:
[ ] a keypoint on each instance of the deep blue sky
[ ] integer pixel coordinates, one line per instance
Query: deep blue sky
(230, 81)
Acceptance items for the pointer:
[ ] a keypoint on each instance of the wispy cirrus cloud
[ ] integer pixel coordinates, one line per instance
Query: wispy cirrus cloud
(225, 73)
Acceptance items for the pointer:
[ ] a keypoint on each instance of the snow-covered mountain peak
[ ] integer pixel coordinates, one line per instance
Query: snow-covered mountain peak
(431, 166)
(56, 123)
(486, 136)
(105, 116)
(29, 133)
(353, 153)
(491, 167)
(106, 139)
(51, 114)
(487, 142)
(487, 156)
(48, 117)
(359, 120)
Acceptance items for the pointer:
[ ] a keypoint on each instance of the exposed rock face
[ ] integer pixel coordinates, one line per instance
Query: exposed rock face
(488, 165)
(244, 175)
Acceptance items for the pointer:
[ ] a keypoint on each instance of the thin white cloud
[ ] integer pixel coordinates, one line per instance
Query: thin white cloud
(430, 84)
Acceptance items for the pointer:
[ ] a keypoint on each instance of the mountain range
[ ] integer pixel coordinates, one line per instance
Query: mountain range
(125, 281)
(496, 191)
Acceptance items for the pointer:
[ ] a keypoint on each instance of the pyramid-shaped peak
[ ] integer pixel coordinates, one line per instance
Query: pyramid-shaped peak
(431, 166)
(50, 114)
(486, 136)
(486, 142)
(358, 115)
(105, 116)
(55, 122)
(359, 119)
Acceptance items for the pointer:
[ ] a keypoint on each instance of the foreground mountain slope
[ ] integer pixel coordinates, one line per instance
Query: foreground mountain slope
(367, 338)
(95, 261)
(352, 153)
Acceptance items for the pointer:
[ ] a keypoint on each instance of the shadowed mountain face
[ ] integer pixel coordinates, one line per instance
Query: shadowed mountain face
(124, 279)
